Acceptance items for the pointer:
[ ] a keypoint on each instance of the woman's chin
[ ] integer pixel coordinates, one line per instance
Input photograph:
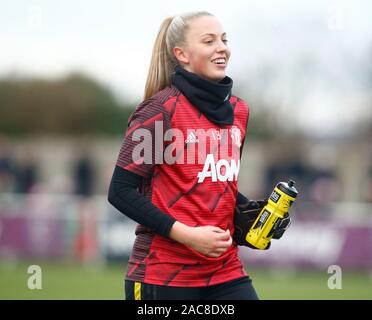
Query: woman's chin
(216, 75)
(219, 77)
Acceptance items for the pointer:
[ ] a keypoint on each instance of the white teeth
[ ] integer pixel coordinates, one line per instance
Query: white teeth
(220, 60)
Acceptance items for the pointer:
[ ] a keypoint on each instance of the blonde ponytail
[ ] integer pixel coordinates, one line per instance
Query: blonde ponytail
(171, 34)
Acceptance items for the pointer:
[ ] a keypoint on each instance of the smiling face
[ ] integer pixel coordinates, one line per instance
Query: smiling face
(205, 52)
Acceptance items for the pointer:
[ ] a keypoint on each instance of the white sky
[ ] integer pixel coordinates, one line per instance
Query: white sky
(112, 41)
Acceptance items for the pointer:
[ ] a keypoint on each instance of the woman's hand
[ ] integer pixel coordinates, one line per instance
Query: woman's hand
(208, 240)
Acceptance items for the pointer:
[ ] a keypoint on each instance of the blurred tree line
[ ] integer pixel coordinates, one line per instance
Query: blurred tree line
(74, 105)
(77, 104)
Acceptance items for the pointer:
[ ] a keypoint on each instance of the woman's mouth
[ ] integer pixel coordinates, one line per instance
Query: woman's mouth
(220, 62)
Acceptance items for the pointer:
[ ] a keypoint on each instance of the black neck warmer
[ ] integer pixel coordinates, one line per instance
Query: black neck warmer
(211, 98)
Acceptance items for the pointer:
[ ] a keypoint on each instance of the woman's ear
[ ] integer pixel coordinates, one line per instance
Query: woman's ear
(181, 55)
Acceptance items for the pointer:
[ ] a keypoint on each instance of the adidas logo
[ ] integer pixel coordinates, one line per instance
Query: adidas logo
(191, 138)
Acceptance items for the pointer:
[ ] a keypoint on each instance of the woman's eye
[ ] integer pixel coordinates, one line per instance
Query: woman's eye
(212, 41)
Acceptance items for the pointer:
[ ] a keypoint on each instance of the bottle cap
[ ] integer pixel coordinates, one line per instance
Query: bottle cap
(288, 188)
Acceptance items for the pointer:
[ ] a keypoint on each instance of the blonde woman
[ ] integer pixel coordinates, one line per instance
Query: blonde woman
(177, 170)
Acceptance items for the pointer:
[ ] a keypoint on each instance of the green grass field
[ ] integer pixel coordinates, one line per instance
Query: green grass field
(72, 281)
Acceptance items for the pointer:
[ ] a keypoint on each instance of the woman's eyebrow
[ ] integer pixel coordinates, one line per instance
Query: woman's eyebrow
(211, 34)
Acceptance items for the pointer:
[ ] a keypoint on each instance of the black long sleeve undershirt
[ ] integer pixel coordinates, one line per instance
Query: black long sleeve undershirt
(124, 195)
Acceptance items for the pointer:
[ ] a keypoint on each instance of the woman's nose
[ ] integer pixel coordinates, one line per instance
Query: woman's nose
(222, 46)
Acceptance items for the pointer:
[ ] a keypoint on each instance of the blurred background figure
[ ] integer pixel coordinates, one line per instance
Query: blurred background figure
(84, 172)
(26, 172)
(7, 166)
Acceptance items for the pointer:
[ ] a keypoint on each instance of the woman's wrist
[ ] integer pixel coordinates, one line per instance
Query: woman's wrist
(180, 232)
